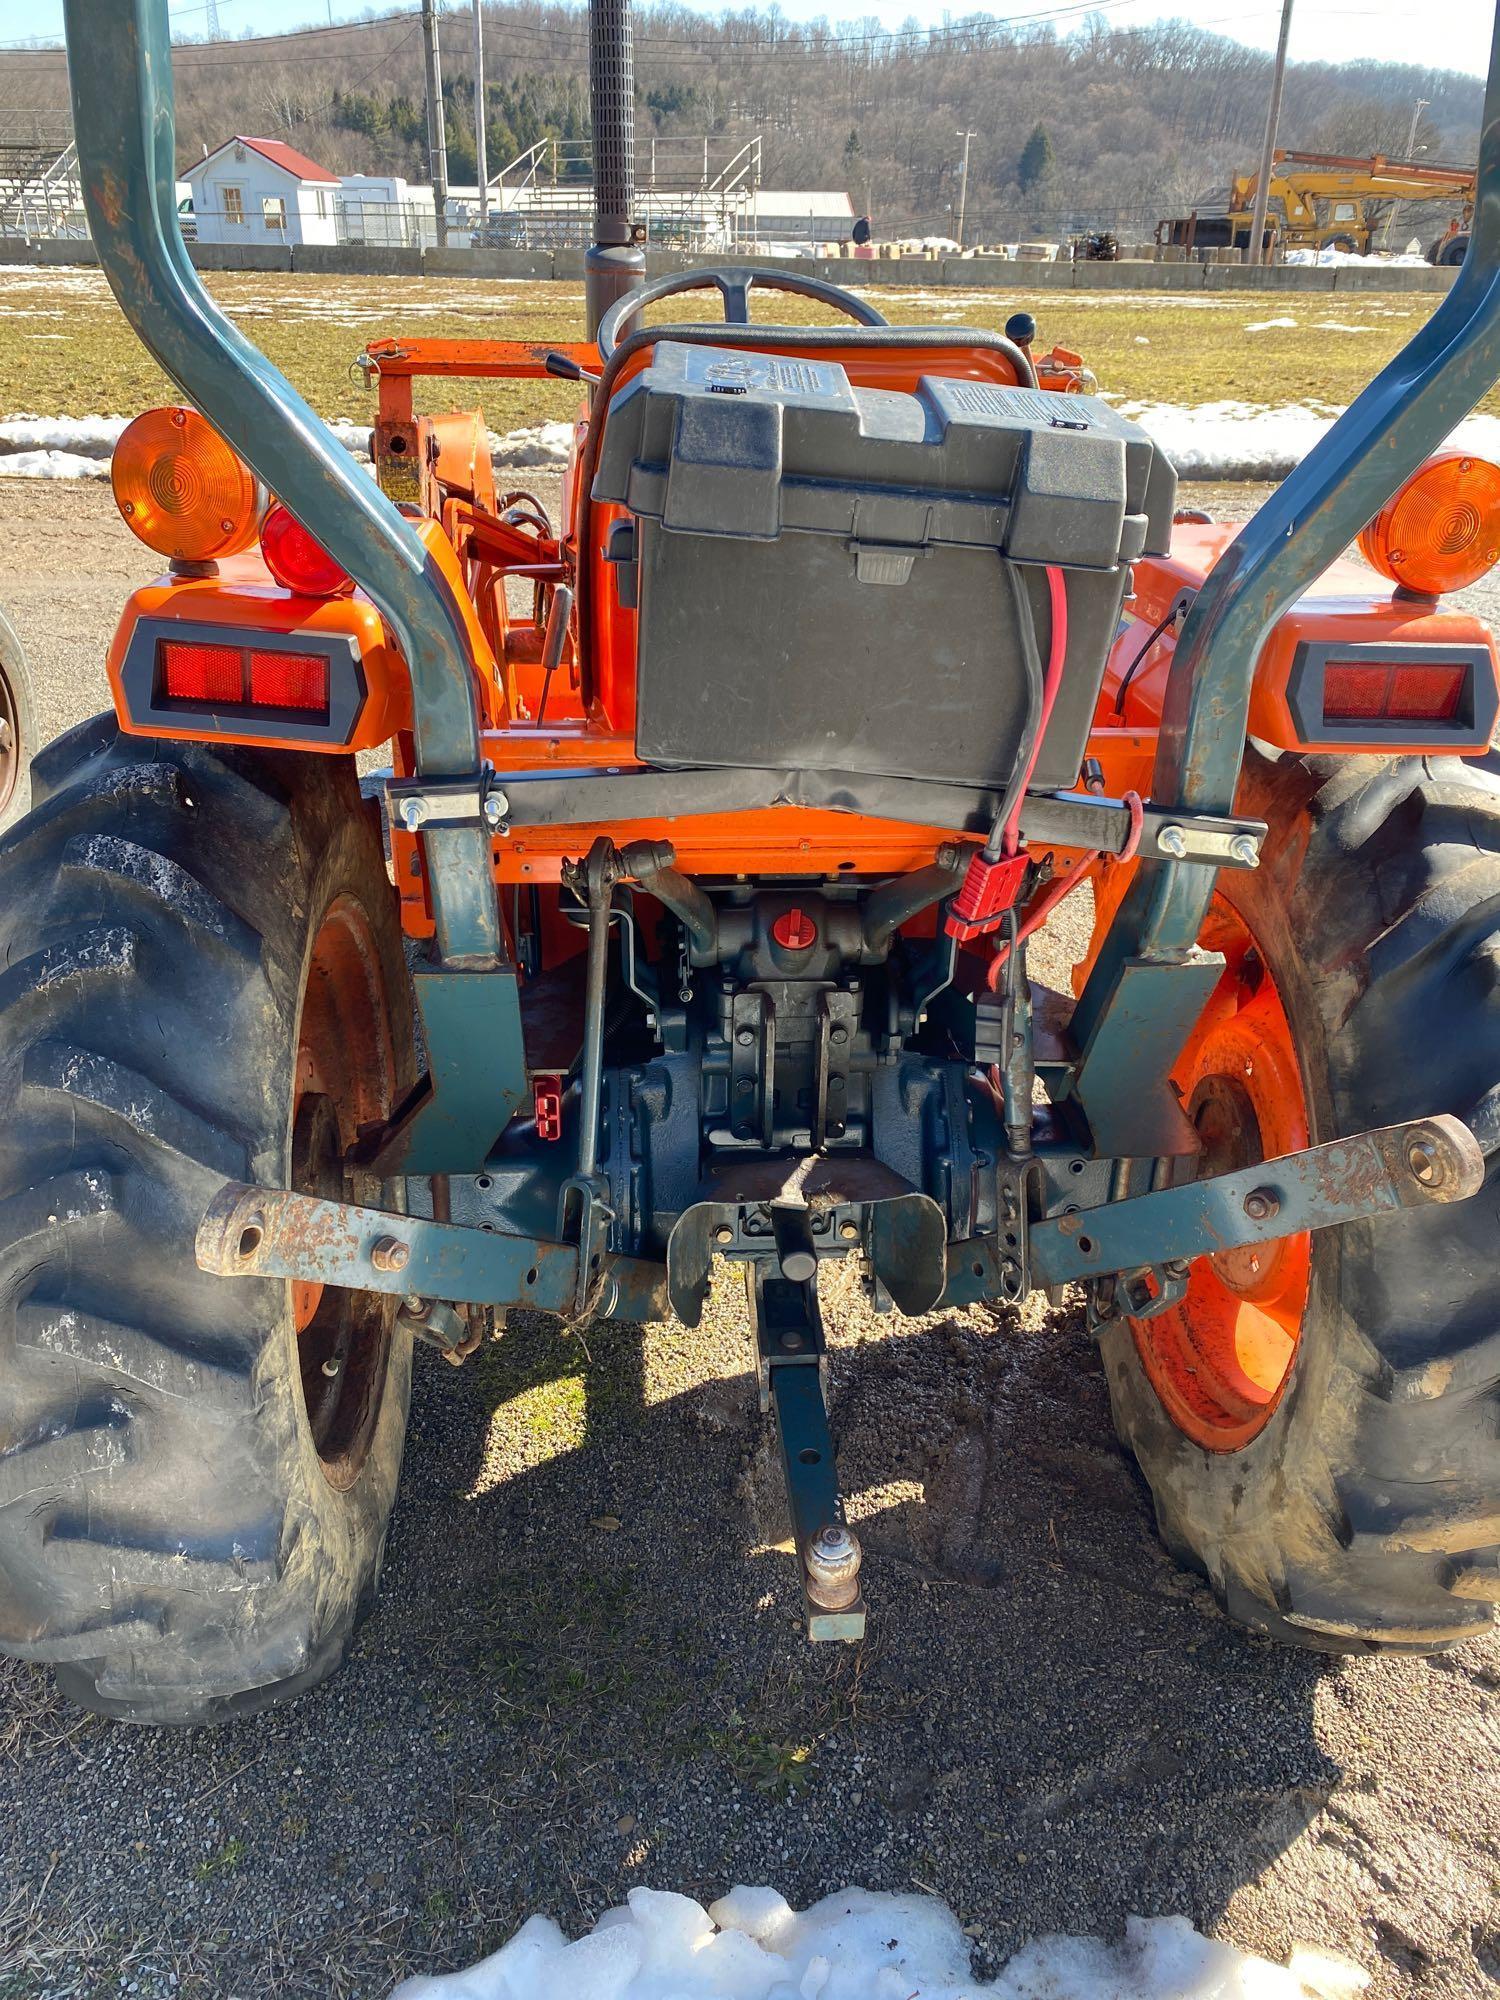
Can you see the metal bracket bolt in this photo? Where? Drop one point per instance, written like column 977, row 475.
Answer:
column 455, row 802
column 1209, row 844
column 1425, row 1163
column 1262, row 1203
column 390, row 1254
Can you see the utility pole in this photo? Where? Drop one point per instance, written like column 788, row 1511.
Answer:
column 1410, row 154
column 481, row 150
column 963, row 184
column 1269, row 149
column 437, row 132
column 1273, row 119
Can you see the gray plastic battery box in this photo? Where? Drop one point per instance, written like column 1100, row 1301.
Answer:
column 819, row 570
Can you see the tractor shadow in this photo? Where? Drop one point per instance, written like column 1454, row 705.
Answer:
column 1049, row 1725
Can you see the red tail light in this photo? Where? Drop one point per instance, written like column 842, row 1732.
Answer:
column 1364, row 691
column 242, row 677
column 297, row 560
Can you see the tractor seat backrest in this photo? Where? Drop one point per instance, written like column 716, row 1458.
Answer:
column 816, row 566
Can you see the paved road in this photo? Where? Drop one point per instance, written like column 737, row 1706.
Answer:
column 1050, row 1726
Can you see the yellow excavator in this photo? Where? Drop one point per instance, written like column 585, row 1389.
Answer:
column 1322, row 201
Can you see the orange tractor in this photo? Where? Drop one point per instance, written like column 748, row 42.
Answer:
column 720, row 813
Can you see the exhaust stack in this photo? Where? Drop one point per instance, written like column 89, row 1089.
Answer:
column 615, row 265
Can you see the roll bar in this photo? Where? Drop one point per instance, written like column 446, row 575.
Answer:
column 120, row 71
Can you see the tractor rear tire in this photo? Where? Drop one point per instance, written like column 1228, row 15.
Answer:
column 17, row 726
column 201, row 980
column 1364, row 1514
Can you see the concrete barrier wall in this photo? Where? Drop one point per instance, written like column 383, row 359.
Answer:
column 907, row 273
column 48, row 251
column 455, row 263
column 366, row 260
column 240, row 257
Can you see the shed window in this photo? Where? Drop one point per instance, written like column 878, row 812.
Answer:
column 234, row 204
column 322, row 204
column 274, row 208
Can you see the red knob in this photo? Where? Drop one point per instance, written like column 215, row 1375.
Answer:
column 795, row 930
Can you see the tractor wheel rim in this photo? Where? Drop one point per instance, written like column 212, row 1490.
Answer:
column 1220, row 1359
column 345, row 1079
column 10, row 741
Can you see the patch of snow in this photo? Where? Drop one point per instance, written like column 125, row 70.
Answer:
column 859, row 1945
column 1265, row 325
column 52, row 465
column 536, row 444
column 1339, row 326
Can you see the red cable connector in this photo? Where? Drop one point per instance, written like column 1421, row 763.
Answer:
column 989, row 889
column 546, row 1097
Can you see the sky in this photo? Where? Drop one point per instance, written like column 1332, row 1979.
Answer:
column 1322, row 30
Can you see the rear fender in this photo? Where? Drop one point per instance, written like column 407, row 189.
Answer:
column 1349, row 615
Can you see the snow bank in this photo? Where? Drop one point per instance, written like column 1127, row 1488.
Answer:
column 857, row 1945
column 1232, row 440
column 1266, row 325
column 1227, row 440
column 1406, row 260
column 33, row 447
column 80, row 437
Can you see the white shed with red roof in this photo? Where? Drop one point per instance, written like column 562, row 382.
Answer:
column 262, row 191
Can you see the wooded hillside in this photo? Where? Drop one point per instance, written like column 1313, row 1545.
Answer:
column 1086, row 125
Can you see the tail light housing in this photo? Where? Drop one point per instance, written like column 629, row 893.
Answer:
column 1376, row 695
column 262, row 685
column 181, row 489
column 1441, row 532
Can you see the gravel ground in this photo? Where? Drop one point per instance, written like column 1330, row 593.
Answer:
column 586, row 1674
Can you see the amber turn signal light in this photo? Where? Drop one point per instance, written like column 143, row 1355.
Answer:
column 182, row 490
column 1441, row 532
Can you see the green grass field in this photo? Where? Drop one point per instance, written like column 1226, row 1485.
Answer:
column 65, row 349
